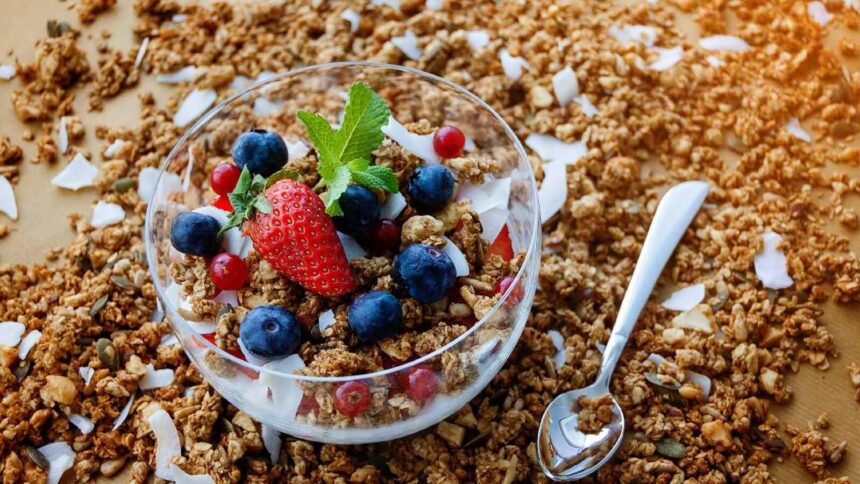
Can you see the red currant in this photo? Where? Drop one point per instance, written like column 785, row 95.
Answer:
column 224, row 178
column 502, row 246
column 223, row 203
column 352, row 398
column 384, row 235
column 228, row 271
column 420, row 382
column 502, row 286
column 448, row 142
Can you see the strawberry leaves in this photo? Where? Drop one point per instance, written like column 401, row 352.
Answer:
column 344, row 154
column 249, row 196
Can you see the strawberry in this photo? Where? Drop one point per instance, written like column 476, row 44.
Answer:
column 502, row 246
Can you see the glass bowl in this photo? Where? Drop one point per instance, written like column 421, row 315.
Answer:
column 299, row 405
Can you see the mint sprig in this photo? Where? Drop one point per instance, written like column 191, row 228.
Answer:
column 344, row 154
column 249, row 196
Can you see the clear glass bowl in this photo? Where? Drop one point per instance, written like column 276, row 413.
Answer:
column 280, row 398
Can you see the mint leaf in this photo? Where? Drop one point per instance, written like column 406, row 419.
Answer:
column 361, row 130
column 336, row 186
column 322, row 136
column 372, row 176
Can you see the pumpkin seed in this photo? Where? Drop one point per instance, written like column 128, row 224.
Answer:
column 477, row 441
column 56, row 29
column 120, row 281
column 316, row 334
column 499, row 397
column 224, row 425
column 38, row 458
column 124, row 184
column 671, row 448
column 22, row 371
column 107, row 353
column 225, row 309
column 654, row 379
column 99, row 304
column 735, row 144
column 843, row 129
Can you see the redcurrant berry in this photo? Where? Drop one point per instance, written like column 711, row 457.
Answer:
column 448, row 142
column 228, row 271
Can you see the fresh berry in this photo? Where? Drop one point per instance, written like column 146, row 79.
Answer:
column 448, row 142
column 385, row 235
column 224, row 177
column 360, row 211
column 430, row 188
column 504, row 284
column 228, row 271
column 299, row 239
column 223, row 203
column 420, row 382
column 270, row 332
column 502, row 246
column 263, row 152
column 425, row 271
column 352, row 398
column 195, row 234
column 375, row 315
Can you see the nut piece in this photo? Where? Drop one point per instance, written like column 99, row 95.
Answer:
column 717, row 433
column 451, row 433
column 424, row 229
column 60, row 390
column 110, row 468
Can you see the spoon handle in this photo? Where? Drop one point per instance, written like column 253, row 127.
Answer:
column 674, row 214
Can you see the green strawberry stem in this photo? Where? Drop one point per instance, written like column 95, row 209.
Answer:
column 249, row 196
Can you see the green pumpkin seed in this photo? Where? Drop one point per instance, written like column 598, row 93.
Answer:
column 99, row 304
column 477, row 441
column 124, row 184
column 22, row 371
column 107, row 353
column 56, row 29
column 38, row 458
column 120, row 281
column 671, row 448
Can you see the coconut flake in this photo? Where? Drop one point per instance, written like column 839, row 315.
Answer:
column 513, row 66
column 240, row 83
column 63, row 136
column 727, row 43
column 86, row 374
column 194, row 105
column 457, row 257
column 78, row 174
column 234, row 240
column 28, row 343
column 156, row 378
column 325, row 319
column 588, row 109
column 477, row 39
column 178, row 18
column 553, row 190
column 352, row 17
column 7, row 71
column 715, row 61
column 113, row 149
column 565, row 86
column 285, row 391
column 83, row 424
column 263, row 107
column 351, row 247
column 106, row 214
column 492, row 222
column 695, row 320
column 186, row 74
column 667, row 58
column 167, row 443
column 123, row 414
column 551, row 149
column 296, row 149
column 146, row 183
column 7, row 199
column 421, row 145
column 491, row 194
column 61, row 458
column 629, row 34
column 793, row 127
column 408, row 44
column 141, row 52
column 434, row 4
column 393, row 206
column 272, row 441
column 770, row 264
column 685, row 299
column 560, row 356
column 250, row 357
column 10, row 333
column 227, row 297
column 818, row 12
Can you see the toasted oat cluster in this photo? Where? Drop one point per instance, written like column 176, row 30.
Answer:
column 768, row 116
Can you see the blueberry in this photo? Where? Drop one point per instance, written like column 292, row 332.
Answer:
column 425, row 271
column 270, row 332
column 263, row 152
column 430, row 188
column 360, row 210
column 195, row 234
column 375, row 315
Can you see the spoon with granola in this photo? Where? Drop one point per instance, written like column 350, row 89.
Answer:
column 582, row 429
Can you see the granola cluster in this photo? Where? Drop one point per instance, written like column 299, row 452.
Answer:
column 715, row 115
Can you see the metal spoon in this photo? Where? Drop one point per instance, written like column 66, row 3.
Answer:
column 566, row 453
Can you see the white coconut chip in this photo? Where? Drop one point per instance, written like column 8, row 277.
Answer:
column 685, row 299
column 513, row 66
column 86, row 374
column 7, row 71
column 325, row 319
column 393, row 206
column 715, row 61
column 551, row 149
column 560, row 356
column 10, row 333
column 469, row 145
column 272, row 441
column 146, row 183
column 702, row 381
column 251, row 357
column 63, row 136
column 168, row 340
column 434, row 4
column 106, row 214
column 234, row 240
column 227, row 297
column 285, row 391
column 588, row 109
column 156, row 378
column 352, row 17
column 667, row 58
column 123, row 414
column 457, row 257
column 167, row 444
column 61, row 458
column 492, row 222
column 264, row 107
column 565, row 85
column 408, row 44
column 78, row 174
column 296, row 149
column 28, row 342
column 818, row 12
column 421, row 145
column 770, row 264
column 629, row 34
column 186, row 74
column 7, row 199
column 726, row 43
column 113, row 149
column 141, row 52
column 83, row 424
column 351, row 247
column 193, row 106
column 694, row 320
column 493, row 193
column 394, row 4
column 178, row 18
column 477, row 39
column 553, row 190
column 793, row 127
column 240, row 83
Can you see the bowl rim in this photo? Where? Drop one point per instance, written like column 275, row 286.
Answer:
column 533, row 246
